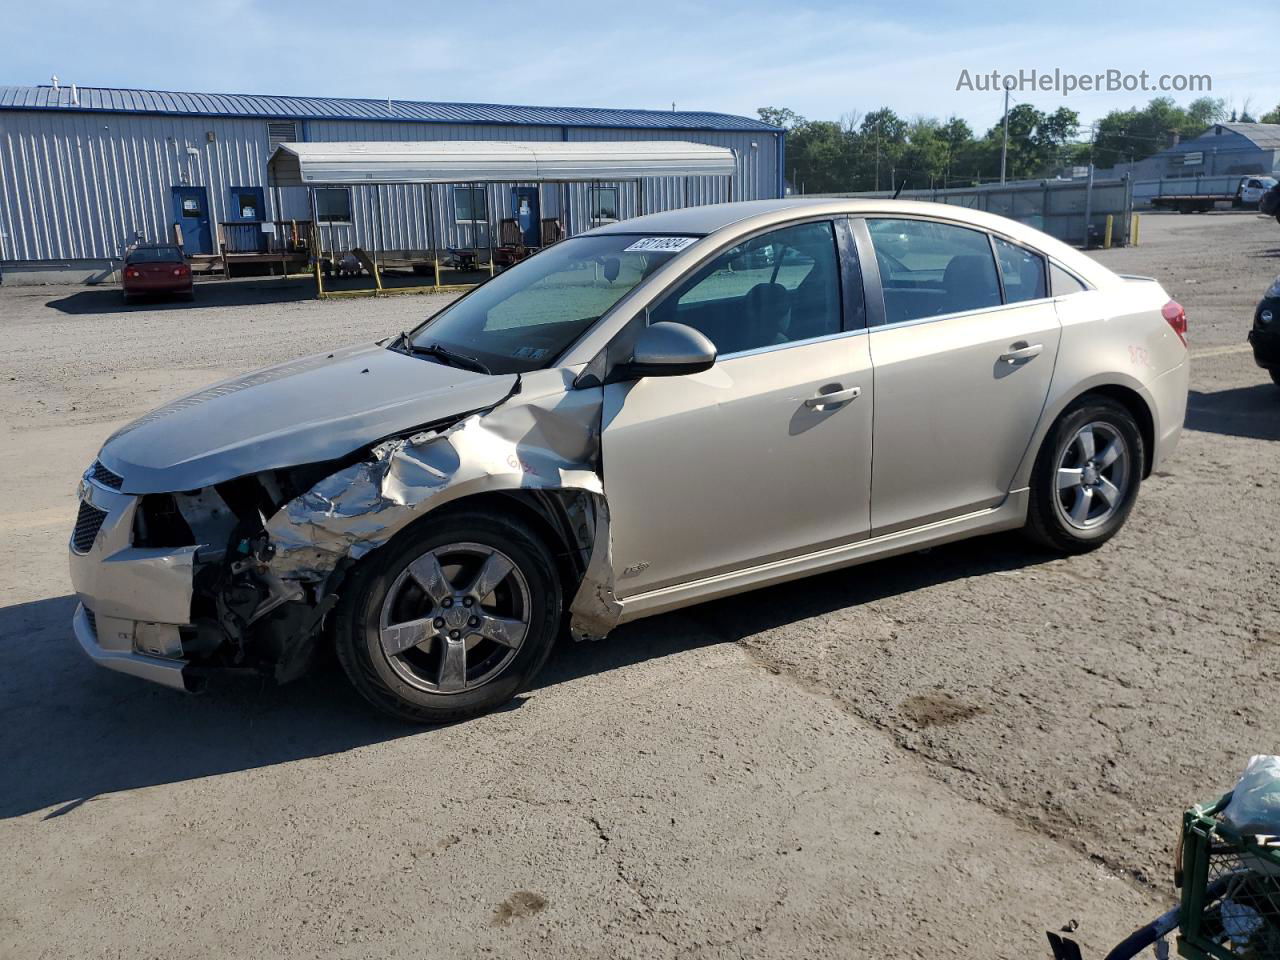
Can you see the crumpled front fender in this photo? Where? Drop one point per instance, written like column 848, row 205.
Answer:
column 545, row 437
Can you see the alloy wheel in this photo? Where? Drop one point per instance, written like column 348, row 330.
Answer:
column 454, row 618
column 1093, row 476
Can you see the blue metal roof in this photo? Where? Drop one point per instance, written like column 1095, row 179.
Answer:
column 110, row 100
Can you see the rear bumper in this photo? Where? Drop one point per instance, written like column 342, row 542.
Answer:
column 1169, row 392
column 168, row 673
column 175, row 285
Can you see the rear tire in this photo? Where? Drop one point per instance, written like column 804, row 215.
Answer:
column 1086, row 476
column 424, row 637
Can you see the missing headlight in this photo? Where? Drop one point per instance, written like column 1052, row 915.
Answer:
column 158, row 523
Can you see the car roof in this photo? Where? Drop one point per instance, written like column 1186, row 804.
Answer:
column 751, row 215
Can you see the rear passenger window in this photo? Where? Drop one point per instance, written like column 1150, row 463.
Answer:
column 1063, row 282
column 928, row 269
column 1022, row 272
column 776, row 288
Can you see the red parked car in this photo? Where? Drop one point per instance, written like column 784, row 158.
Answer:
column 156, row 268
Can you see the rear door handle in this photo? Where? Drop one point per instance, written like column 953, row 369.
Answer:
column 831, row 399
column 1021, row 352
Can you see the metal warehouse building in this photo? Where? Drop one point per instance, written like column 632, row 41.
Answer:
column 85, row 171
column 1223, row 149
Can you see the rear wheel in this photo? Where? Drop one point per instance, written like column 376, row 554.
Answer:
column 1086, row 476
column 452, row 618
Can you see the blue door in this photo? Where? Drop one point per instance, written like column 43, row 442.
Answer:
column 524, row 204
column 191, row 213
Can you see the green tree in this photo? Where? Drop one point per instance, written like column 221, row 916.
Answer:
column 1125, row 136
column 1037, row 140
column 780, row 117
column 1272, row 117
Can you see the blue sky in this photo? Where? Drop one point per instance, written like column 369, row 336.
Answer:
column 822, row 59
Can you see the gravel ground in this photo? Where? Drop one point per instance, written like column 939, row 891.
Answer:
column 942, row 754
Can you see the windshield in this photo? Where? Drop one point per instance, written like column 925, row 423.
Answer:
column 155, row 255
column 524, row 318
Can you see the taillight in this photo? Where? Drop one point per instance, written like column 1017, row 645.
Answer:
column 132, row 273
column 179, row 271
column 1177, row 318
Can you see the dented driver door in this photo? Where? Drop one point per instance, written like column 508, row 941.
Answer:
column 767, row 454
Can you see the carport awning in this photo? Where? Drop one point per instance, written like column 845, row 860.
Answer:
column 492, row 161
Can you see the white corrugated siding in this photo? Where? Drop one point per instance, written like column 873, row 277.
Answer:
column 76, row 186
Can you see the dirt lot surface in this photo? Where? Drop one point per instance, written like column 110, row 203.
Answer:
column 940, row 755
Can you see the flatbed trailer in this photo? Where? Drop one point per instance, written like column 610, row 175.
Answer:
column 1192, row 194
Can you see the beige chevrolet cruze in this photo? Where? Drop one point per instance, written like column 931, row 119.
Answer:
column 661, row 411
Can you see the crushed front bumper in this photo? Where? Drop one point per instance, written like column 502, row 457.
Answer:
column 134, row 602
column 169, row 673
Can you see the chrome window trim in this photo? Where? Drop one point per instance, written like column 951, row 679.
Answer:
column 963, row 313
column 773, row 347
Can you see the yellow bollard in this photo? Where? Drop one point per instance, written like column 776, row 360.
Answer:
column 1133, row 230
column 1106, row 239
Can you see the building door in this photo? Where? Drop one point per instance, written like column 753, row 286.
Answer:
column 524, row 204
column 191, row 213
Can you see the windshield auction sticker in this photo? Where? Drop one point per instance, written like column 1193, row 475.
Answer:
column 660, row 245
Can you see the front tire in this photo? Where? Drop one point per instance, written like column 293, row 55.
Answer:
column 1086, row 476
column 452, row 618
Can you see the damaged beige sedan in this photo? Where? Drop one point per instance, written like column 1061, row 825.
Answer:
column 659, row 412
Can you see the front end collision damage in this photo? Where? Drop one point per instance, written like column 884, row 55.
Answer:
column 291, row 535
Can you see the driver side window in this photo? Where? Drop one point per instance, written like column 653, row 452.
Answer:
column 777, row 288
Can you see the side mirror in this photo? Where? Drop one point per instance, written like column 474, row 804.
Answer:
column 667, row 350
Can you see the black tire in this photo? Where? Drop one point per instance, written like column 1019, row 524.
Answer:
column 356, row 623
column 1275, row 376
column 1047, row 522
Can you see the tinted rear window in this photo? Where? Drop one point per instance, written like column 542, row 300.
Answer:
column 155, row 255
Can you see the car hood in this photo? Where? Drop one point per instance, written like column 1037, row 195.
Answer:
column 304, row 411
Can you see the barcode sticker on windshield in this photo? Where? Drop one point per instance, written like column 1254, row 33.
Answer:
column 660, row 245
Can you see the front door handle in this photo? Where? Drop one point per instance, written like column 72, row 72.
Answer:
column 831, row 399
column 1021, row 352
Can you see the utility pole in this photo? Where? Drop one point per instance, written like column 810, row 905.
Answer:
column 1004, row 149
column 878, row 154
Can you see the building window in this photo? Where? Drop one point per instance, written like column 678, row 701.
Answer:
column 281, row 131
column 604, row 203
column 333, row 205
column 246, row 204
column 469, row 204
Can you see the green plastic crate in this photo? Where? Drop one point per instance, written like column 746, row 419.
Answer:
column 1230, row 890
